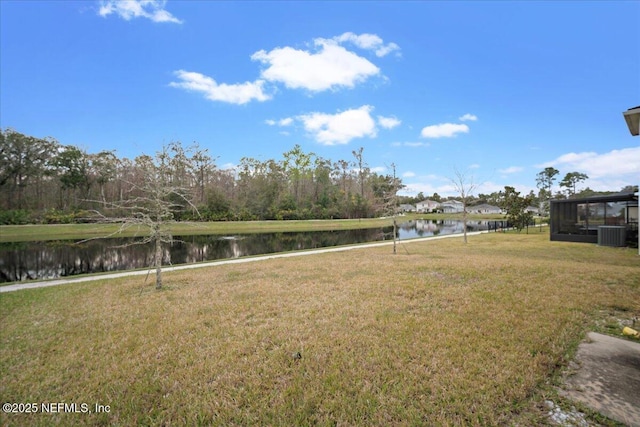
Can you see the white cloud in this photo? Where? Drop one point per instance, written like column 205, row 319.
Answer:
column 488, row 187
column 340, row 128
column 378, row 169
column 474, row 166
column 368, row 42
column 427, row 188
column 326, row 66
column 510, row 170
column 408, row 174
column 607, row 172
column 444, row 130
column 386, row 49
column 128, row 9
column 282, row 122
column 410, row 144
column 239, row 93
column 330, row 67
column 388, row 122
column 468, row 117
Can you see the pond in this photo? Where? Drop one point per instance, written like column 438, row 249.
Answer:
column 63, row 258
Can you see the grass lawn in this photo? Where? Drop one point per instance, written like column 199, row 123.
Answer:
column 440, row 334
column 22, row 233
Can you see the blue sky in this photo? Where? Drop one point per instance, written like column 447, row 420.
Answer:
column 497, row 90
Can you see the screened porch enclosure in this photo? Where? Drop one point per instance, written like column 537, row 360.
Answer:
column 581, row 220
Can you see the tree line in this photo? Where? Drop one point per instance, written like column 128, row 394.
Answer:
column 42, row 180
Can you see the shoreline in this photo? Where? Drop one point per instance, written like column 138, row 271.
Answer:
column 106, row 276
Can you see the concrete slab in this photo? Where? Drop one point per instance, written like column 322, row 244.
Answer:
column 606, row 378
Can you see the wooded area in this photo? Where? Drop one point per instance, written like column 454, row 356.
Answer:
column 44, row 181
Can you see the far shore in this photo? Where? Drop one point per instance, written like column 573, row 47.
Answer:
column 42, row 232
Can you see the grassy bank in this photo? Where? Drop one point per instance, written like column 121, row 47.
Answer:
column 23, row 233
column 439, row 334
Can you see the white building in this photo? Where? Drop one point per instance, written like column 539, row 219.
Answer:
column 485, row 209
column 533, row 210
column 427, row 206
column 452, row 206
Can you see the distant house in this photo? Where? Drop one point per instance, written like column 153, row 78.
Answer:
column 451, row 206
column 427, row 206
column 532, row 209
column 485, row 209
column 407, row 208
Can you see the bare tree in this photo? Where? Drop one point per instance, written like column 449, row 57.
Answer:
column 203, row 167
column 103, row 168
column 465, row 187
column 156, row 195
column 393, row 202
column 363, row 169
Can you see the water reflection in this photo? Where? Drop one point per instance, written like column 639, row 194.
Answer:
column 53, row 259
column 426, row 228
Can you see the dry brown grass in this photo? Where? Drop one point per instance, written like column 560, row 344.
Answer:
column 446, row 334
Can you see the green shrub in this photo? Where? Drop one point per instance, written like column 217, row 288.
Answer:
column 55, row 216
column 15, row 217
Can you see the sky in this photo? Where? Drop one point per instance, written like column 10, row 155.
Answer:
column 495, row 90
